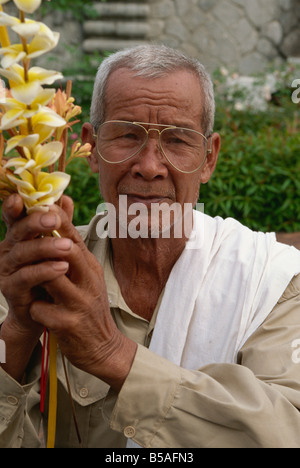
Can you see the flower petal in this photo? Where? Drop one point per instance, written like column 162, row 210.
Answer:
column 48, row 154
column 44, row 97
column 44, row 76
column 47, row 116
column 26, row 92
column 41, row 44
column 43, row 131
column 8, row 20
column 12, row 55
column 11, row 119
column 29, row 6
column 15, row 74
column 27, row 29
column 21, row 140
column 23, row 184
column 58, row 181
column 20, row 164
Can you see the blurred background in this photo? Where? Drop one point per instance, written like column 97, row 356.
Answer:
column 252, row 50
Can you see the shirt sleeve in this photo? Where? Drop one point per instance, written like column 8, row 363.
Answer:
column 254, row 403
column 19, row 413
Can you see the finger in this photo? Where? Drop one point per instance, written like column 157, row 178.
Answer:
column 32, row 226
column 50, row 316
column 67, row 229
column 12, row 209
column 34, row 251
column 20, row 283
column 67, row 290
column 85, row 270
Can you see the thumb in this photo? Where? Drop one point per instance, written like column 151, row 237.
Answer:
column 68, row 206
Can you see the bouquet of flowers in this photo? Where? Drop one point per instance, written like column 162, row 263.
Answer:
column 34, row 119
column 34, row 124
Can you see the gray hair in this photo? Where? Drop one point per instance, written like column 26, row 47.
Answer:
column 152, row 61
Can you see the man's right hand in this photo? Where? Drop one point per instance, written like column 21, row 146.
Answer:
column 22, row 276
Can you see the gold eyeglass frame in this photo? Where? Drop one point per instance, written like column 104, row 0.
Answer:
column 166, row 127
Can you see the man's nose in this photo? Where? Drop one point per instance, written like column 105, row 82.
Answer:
column 150, row 162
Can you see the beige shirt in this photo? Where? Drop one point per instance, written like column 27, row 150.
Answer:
column 254, row 403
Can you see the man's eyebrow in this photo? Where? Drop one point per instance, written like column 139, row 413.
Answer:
column 180, row 123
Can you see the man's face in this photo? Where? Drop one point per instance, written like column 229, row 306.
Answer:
column 148, row 178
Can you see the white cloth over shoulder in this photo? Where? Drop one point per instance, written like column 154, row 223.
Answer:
column 223, row 286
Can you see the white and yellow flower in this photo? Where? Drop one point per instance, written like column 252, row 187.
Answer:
column 44, row 41
column 37, row 157
column 41, row 190
column 35, row 117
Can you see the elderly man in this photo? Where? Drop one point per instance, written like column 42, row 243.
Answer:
column 171, row 340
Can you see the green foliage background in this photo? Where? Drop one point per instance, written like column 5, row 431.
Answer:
column 257, row 179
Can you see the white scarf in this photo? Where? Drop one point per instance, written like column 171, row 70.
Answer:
column 226, row 282
column 224, row 285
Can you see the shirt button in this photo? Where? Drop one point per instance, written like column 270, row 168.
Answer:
column 83, row 392
column 129, row 432
column 12, row 400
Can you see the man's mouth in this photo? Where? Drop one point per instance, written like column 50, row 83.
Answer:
column 146, row 199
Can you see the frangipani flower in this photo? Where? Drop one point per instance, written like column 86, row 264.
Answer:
column 15, row 75
column 39, row 157
column 6, row 187
column 42, row 42
column 18, row 113
column 42, row 190
column 37, row 119
column 28, row 141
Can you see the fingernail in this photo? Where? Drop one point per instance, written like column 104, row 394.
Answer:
column 48, row 220
column 63, row 244
column 60, row 266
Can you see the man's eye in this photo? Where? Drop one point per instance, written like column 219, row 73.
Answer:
column 130, row 136
column 176, row 141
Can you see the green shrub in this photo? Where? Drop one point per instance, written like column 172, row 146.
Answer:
column 257, row 179
column 84, row 191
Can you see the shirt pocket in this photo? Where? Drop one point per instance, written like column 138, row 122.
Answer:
column 86, row 389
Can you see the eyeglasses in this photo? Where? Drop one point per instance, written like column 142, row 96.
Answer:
column 185, row 149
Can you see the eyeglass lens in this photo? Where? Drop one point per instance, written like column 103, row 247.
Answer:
column 119, row 141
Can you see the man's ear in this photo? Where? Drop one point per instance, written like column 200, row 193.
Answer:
column 87, row 136
column 214, row 144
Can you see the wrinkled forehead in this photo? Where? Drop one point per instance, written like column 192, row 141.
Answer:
column 178, row 93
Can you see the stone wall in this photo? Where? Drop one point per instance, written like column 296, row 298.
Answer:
column 242, row 35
